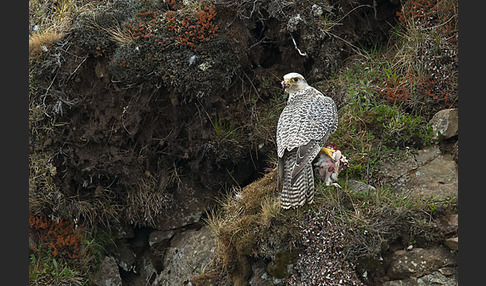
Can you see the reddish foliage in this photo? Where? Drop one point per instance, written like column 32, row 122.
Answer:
column 428, row 14
column 183, row 29
column 187, row 31
column 400, row 91
column 59, row 236
column 173, row 4
column 394, row 94
column 141, row 31
column 432, row 90
column 437, row 21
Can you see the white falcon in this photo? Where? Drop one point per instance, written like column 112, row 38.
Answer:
column 303, row 128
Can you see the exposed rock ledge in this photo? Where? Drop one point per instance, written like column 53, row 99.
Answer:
column 424, row 173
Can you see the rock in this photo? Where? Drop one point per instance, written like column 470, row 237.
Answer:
column 125, row 257
column 425, row 172
column 445, row 124
column 396, row 169
column 449, row 271
column 158, row 242
column 452, row 243
column 426, row 155
column 146, row 269
column 435, row 278
column 397, row 283
column 160, row 236
column 190, row 252
column 360, row 187
column 438, row 178
column 420, row 261
column 108, row 275
column 189, row 206
column 186, row 215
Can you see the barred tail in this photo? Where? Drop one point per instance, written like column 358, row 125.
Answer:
column 301, row 191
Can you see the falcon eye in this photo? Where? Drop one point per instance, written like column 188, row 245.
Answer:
column 295, row 79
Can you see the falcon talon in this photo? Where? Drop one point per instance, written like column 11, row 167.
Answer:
column 336, row 185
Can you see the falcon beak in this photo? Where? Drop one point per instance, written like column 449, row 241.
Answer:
column 286, row 84
column 328, row 152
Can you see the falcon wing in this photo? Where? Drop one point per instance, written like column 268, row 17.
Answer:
column 310, row 116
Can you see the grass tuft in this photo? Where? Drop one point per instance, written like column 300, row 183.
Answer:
column 39, row 43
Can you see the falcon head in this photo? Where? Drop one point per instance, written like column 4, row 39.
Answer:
column 293, row 82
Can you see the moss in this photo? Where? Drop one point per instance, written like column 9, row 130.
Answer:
column 278, row 267
column 144, row 46
column 94, row 30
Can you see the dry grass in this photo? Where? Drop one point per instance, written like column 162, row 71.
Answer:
column 50, row 21
column 146, row 202
column 426, row 54
column 242, row 223
column 40, row 42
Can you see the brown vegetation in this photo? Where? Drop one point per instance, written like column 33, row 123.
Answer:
column 60, row 237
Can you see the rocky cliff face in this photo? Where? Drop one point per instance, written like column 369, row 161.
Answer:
column 428, row 256
column 148, row 119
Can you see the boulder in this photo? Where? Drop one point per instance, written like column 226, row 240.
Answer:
column 424, row 173
column 189, row 205
column 420, row 261
column 125, row 257
column 452, row 243
column 108, row 275
column 160, row 236
column 445, row 124
column 360, row 187
column 437, row 178
column 146, row 269
column 188, row 255
column 442, row 277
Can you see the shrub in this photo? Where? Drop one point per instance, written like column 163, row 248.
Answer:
column 60, row 236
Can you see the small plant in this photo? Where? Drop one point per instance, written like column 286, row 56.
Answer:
column 62, row 253
column 397, row 128
column 59, row 236
column 176, row 26
column 427, row 54
column 55, row 251
column 222, row 127
column 189, row 31
column 148, row 200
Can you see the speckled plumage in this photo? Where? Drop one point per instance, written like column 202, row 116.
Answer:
column 303, row 128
